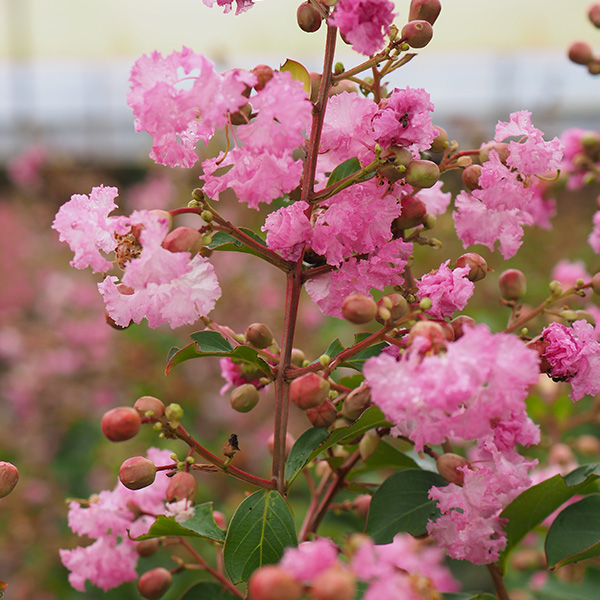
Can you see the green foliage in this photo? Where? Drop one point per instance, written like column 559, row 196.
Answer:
column 207, row 590
column 301, row 450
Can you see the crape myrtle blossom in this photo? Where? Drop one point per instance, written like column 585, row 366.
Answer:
column 240, row 5
column 507, row 197
column 309, row 559
column 582, row 156
column 476, row 388
column 157, row 284
column 111, row 560
column 594, row 237
column 574, row 356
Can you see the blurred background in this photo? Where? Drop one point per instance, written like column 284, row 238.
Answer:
column 65, row 127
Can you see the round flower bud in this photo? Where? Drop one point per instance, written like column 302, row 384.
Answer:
column 149, row 406
column 298, row 357
column 220, row 519
column 315, row 83
column 513, row 284
column 153, row 584
column 500, row 148
column 470, row 177
column 440, row 141
column 174, row 412
column 368, row 444
column 9, row 475
column 323, row 415
column 183, row 239
column 588, row 445
column 580, row 53
column 183, row 486
column 396, row 304
column 356, row 402
column 137, row 472
column 433, row 332
column 271, row 582
column 361, row 505
column 334, row 583
column 120, row 424
column 459, row 323
column 594, row 15
column 147, row 547
column 427, row 10
column 476, row 263
column 309, row 17
column 447, row 466
column 422, row 173
column 259, row 335
column 413, row 213
column 359, row 309
column 309, row 391
column 244, row 398
column 290, row 440
column 263, row 74
column 596, row 283
column 417, row 34
column 239, row 117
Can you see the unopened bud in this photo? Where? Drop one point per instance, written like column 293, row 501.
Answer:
column 477, row 265
column 413, row 213
column 174, row 414
column 356, row 402
column 470, row 177
column 147, row 547
column 361, row 505
column 440, row 141
column 422, row 173
column 263, row 74
column 562, row 455
column 587, row 444
column 183, row 486
column 417, row 34
column 501, row 149
column 220, row 519
column 242, row 115
column 359, row 309
column 244, row 398
column 368, row 444
column 149, row 406
column 596, row 283
column 259, row 335
column 334, row 583
column 513, row 284
column 272, row 582
column 298, row 357
column 183, row 239
column 154, row 584
column 427, row 10
column 309, row 390
column 396, row 304
column 425, row 303
column 9, row 476
column 323, row 415
column 120, row 424
column 447, row 466
column 460, row 323
column 432, row 331
column 137, row 472
column 309, row 17
column 580, row 53
column 594, row 15
column 464, row 161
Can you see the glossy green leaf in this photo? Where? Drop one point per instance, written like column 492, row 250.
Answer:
column 298, row 73
column 358, row 360
column 208, row 590
column 575, row 533
column 225, row 242
column 211, row 342
column 531, row 507
column 347, row 168
column 202, row 524
column 386, row 456
column 260, row 530
column 402, row 504
column 301, row 450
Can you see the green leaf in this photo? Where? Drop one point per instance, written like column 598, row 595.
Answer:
column 358, row 360
column 202, row 524
column 575, row 533
column 402, row 504
column 532, row 506
column 347, row 168
column 386, row 456
column 555, row 589
column 208, row 590
column 211, row 342
column 227, row 243
column 301, row 450
column 298, row 73
column 260, row 530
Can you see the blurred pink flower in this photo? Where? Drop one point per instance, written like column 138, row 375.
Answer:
column 309, row 559
column 24, row 169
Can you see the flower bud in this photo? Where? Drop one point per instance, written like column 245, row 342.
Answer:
column 174, row 414
column 334, row 583
column 290, row 440
column 594, row 15
column 339, row 87
column 368, row 444
column 220, row 519
column 309, row 17
column 298, row 357
column 422, row 173
column 580, row 53
column 470, row 177
column 9, row 475
column 427, row 10
column 244, row 398
column 501, row 149
column 432, row 331
column 149, row 406
column 476, row 263
column 323, row 415
column 447, row 466
column 513, row 284
column 356, row 402
column 147, row 547
column 183, row 239
column 259, row 335
column 315, row 83
column 396, row 304
column 309, row 390
column 361, row 505
column 596, row 283
column 359, row 309
column 440, row 141
column 588, row 445
column 120, row 424
column 263, row 74
column 464, row 161
column 271, row 582
column 137, row 472
column 153, row 584
column 413, row 213
column 459, row 323
column 417, row 34
column 240, row 117
column 183, row 486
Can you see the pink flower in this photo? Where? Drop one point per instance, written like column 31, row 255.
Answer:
column 435, row 200
column 594, row 237
column 241, row 5
column 567, row 273
column 25, row 168
column 289, row 230
column 449, row 290
column 233, row 375
column 581, row 160
column 309, row 559
column 363, row 23
column 574, row 355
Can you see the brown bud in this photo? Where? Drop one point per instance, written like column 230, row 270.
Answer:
column 335, row 583
column 259, row 335
column 476, row 263
column 359, row 309
column 580, row 53
column 396, row 304
column 594, row 15
column 513, row 284
column 231, row 446
column 413, row 213
column 263, row 74
column 149, row 406
column 470, row 177
column 120, row 424
column 501, row 149
column 356, row 402
column 153, row 584
column 241, row 117
column 422, row 173
column 361, row 505
column 323, row 415
column 447, row 466
column 147, row 547
column 440, row 141
column 9, row 476
column 244, row 398
column 309, row 17
column 459, row 323
column 183, row 239
column 417, row 34
column 183, row 486
column 309, row 391
column 271, row 582
column 427, row 10
column 137, row 472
